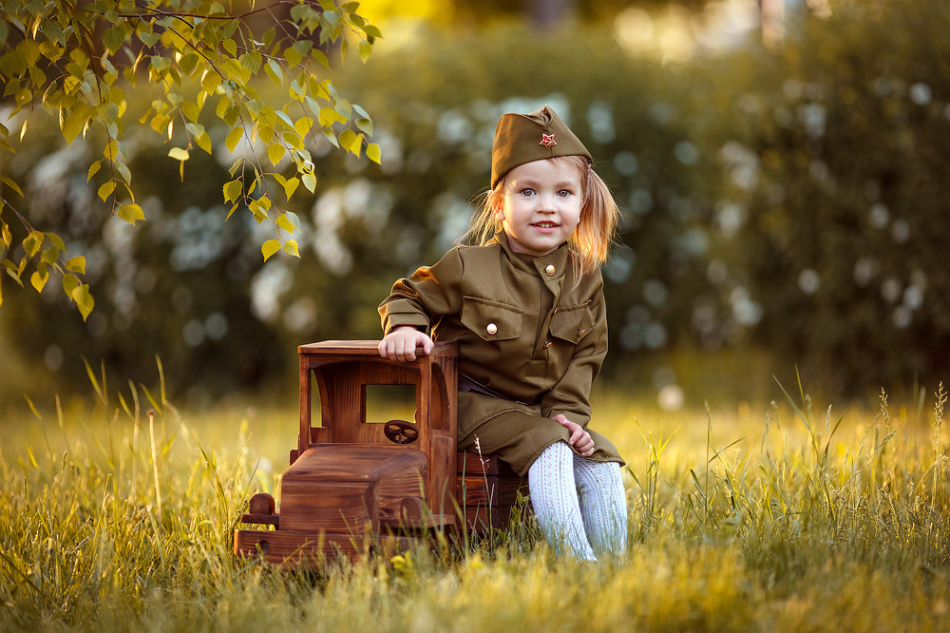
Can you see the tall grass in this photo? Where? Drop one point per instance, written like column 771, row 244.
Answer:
column 119, row 515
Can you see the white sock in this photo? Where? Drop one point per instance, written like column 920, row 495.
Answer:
column 554, row 499
column 603, row 503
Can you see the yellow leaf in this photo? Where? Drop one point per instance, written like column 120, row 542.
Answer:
column 70, row 283
column 12, row 185
column 178, row 153
column 269, row 248
column 233, row 190
column 291, row 186
column 76, row 265
column 291, row 248
column 373, row 153
column 303, row 125
column 275, row 152
column 131, row 213
column 310, row 182
column 233, row 138
column 93, row 170
column 106, row 190
column 83, row 300
column 38, row 279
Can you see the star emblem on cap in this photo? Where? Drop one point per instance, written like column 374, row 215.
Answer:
column 547, row 140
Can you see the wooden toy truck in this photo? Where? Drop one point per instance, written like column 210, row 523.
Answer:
column 356, row 486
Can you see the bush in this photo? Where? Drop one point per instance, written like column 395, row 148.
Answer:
column 837, row 163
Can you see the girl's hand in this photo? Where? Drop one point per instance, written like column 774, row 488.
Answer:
column 580, row 439
column 401, row 344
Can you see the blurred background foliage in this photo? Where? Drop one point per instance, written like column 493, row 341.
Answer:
column 784, row 206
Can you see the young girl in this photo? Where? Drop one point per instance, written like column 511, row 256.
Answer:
column 526, row 308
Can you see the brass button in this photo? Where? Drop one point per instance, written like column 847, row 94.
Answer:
column 492, row 328
column 549, row 269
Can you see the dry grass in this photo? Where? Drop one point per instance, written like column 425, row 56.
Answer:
column 784, row 517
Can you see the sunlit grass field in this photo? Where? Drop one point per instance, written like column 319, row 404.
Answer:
column 789, row 516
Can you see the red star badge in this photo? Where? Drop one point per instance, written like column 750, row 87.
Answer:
column 547, row 140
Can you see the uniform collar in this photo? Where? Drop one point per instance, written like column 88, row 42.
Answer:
column 550, row 267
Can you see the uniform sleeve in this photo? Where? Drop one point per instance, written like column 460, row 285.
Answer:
column 429, row 294
column 571, row 394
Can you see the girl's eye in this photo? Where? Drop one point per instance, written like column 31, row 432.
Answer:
column 564, row 192
column 527, row 192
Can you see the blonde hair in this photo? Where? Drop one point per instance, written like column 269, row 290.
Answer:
column 589, row 244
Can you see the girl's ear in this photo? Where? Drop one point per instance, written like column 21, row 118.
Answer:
column 496, row 206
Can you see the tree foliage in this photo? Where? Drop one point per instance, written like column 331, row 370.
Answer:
column 79, row 63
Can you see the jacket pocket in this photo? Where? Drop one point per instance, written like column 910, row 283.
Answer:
column 490, row 320
column 572, row 323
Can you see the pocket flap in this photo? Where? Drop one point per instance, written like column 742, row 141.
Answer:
column 572, row 323
column 490, row 320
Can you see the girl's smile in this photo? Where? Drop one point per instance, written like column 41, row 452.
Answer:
column 540, row 205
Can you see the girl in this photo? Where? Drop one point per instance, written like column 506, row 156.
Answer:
column 526, row 307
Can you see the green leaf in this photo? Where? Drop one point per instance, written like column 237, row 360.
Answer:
column 310, row 182
column 76, row 265
column 269, row 248
column 130, row 213
column 114, row 38
column 365, row 49
column 372, row 31
column 149, row 39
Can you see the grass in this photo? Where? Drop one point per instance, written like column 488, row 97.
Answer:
column 787, row 517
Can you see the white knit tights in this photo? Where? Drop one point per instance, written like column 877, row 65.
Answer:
column 580, row 504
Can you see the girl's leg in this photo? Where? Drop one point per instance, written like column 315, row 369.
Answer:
column 554, row 499
column 603, row 504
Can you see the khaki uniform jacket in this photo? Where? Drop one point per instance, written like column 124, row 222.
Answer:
column 524, row 329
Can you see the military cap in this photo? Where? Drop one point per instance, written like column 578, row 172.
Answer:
column 523, row 138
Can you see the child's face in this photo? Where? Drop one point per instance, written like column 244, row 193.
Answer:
column 540, row 205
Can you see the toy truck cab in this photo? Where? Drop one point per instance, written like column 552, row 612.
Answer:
column 353, row 484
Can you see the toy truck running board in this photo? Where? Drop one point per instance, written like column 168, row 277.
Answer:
column 355, row 486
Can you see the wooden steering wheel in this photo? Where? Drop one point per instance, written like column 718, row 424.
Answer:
column 401, row 432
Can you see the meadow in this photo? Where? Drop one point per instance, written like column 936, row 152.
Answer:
column 118, row 511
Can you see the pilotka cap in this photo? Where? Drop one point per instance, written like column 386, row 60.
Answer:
column 523, row 138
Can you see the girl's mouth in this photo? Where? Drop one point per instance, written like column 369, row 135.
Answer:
column 545, row 225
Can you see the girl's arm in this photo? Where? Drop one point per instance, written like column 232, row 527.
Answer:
column 418, row 302
column 570, row 396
